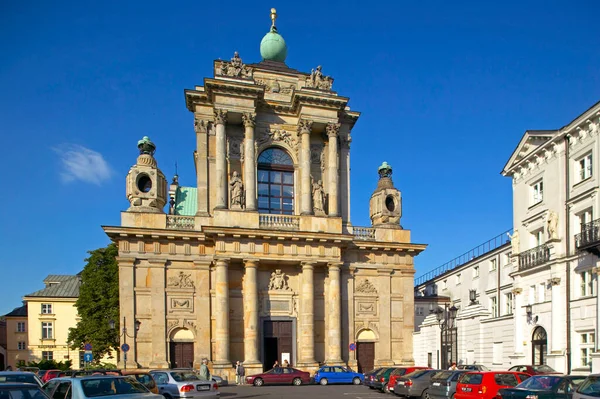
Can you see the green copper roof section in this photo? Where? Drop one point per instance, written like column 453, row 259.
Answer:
column 186, row 201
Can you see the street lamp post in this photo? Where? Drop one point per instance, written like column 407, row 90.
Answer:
column 446, row 317
column 124, row 334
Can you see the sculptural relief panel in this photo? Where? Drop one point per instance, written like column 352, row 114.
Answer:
column 181, row 304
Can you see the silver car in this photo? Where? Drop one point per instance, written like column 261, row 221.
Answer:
column 175, row 384
column 443, row 384
column 97, row 386
column 414, row 384
column 589, row 388
column 20, row 376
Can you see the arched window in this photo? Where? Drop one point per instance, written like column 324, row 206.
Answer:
column 275, row 182
column 539, row 344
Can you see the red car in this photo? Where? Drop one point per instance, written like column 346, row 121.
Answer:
column 280, row 375
column 534, row 370
column 399, row 372
column 485, row 384
column 50, row 374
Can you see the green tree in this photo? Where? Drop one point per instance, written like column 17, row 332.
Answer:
column 98, row 303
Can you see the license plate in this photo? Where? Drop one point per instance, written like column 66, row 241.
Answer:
column 401, row 383
column 203, row 387
column 436, row 384
column 467, row 389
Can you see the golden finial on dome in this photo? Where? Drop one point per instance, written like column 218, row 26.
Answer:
column 273, row 17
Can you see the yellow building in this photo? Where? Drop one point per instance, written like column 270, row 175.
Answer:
column 16, row 337
column 51, row 312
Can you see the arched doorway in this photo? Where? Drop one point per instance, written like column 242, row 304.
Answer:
column 365, row 350
column 539, row 346
column 181, row 348
column 275, row 182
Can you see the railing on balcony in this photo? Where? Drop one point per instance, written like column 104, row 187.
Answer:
column 363, row 233
column 534, row 257
column 279, row 222
column 180, row 222
column 589, row 236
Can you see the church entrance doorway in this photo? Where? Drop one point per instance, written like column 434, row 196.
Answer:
column 277, row 342
column 181, row 348
column 365, row 350
column 539, row 346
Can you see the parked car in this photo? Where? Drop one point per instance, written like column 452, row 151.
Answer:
column 443, row 384
column 381, row 379
column 472, row 367
column 589, row 388
column 534, row 370
column 98, row 386
column 144, row 378
column 337, row 375
column 370, row 376
column 485, row 384
column 21, row 390
column 82, row 373
column 184, row 384
column 279, row 375
column 50, row 374
column 544, row 387
column 399, row 372
column 216, row 378
column 20, row 376
column 415, row 384
column 29, row 368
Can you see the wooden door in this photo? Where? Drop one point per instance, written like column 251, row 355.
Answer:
column 365, row 356
column 277, row 339
column 182, row 354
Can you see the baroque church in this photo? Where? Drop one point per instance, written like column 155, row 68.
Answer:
column 260, row 262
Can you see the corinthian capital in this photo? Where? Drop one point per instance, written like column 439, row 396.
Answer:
column 333, row 129
column 304, row 126
column 248, row 119
column 220, row 116
column 200, row 125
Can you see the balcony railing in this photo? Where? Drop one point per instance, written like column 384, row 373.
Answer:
column 534, row 257
column 363, row 233
column 180, row 222
column 279, row 222
column 589, row 236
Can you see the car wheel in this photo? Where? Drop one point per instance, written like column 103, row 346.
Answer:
column 258, row 382
column 356, row 381
column 425, row 395
column 297, row 381
column 323, row 381
column 167, row 396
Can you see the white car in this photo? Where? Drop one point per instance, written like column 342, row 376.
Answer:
column 97, row 386
column 589, row 388
column 184, row 384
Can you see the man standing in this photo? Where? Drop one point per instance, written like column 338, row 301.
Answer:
column 204, row 372
column 239, row 373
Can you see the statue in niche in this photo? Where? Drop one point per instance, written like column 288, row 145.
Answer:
column 318, row 197
column 278, row 281
column 552, row 225
column 514, row 241
column 236, row 191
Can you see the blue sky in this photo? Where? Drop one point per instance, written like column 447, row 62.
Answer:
column 446, row 90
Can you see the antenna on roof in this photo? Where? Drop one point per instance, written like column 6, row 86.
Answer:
column 176, row 177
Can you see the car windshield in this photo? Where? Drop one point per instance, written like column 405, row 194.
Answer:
column 26, row 378
column 544, row 382
column 399, row 372
column 542, row 368
column 180, row 376
column 471, row 378
column 111, row 386
column 24, row 393
column 417, row 374
column 443, row 375
column 590, row 387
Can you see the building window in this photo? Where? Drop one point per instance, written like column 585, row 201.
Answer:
column 476, row 272
column 47, row 355
column 587, row 283
column 458, row 279
column 275, row 182
column 537, row 192
column 588, row 341
column 538, row 238
column 47, row 331
column 584, row 167
column 21, row 346
column 507, row 261
column 493, row 265
column 21, row 326
column 419, row 311
column 508, row 302
column 46, row 308
column 542, row 292
column 584, row 217
column 494, row 306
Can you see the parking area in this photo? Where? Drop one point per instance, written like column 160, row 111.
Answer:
column 302, row 392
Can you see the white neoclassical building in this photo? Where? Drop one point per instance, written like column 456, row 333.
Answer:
column 547, row 275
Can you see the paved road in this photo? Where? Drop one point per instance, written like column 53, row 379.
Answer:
column 303, row 392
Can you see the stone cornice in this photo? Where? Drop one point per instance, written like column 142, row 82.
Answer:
column 222, row 232
column 116, row 232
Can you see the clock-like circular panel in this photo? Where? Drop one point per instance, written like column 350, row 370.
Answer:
column 389, row 203
column 144, row 183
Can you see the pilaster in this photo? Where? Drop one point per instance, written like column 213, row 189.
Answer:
column 156, row 269
column 127, row 301
column 203, row 333
column 304, row 129
column 249, row 161
column 220, row 158
column 383, row 353
column 201, row 127
column 558, row 323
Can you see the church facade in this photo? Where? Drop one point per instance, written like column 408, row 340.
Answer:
column 260, row 262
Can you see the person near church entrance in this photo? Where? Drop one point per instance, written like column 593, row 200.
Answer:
column 276, row 364
column 286, row 363
column 204, row 371
column 453, row 366
column 239, row 373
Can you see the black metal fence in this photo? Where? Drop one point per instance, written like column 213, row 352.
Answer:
column 534, row 257
column 590, row 234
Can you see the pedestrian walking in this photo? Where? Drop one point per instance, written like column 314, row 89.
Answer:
column 239, row 373
column 204, row 371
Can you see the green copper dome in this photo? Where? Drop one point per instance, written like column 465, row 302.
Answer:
column 272, row 46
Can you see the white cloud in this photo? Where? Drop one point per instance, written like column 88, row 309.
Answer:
column 81, row 163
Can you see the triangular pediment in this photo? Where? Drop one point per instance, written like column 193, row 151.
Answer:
column 530, row 142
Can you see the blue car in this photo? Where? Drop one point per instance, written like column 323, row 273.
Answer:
column 337, row 375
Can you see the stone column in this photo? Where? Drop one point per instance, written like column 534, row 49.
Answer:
column 307, row 317
column 383, row 352
column 518, row 317
column 127, row 305
column 344, row 184
column 249, row 161
column 558, row 324
column 201, row 127
column 156, row 269
column 222, row 312
column 333, row 130
column 334, row 349
column 251, row 313
column 304, row 128
column 221, row 159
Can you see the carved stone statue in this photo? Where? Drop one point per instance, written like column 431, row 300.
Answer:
column 278, row 281
column 514, row 240
column 552, row 225
column 236, row 191
column 317, row 80
column 318, row 196
column 235, row 68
